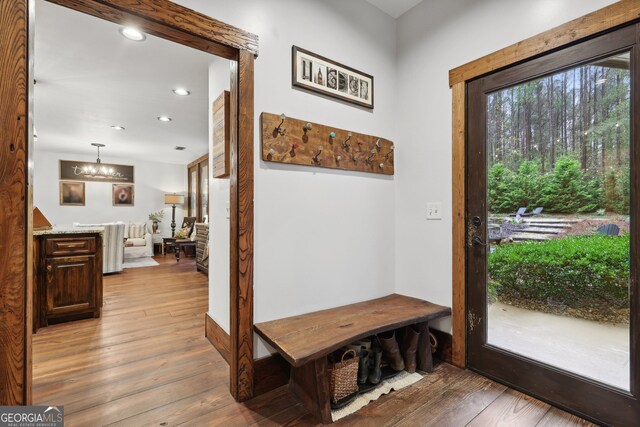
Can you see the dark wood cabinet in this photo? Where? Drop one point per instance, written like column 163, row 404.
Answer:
column 67, row 277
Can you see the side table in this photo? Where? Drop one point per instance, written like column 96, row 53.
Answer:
column 158, row 244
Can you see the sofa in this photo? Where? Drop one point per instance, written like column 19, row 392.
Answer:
column 112, row 239
column 139, row 241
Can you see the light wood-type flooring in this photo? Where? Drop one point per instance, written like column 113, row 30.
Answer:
column 147, row 362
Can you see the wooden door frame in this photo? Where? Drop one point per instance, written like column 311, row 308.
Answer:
column 169, row 21
column 608, row 18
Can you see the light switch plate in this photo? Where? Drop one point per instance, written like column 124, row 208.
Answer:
column 434, row 210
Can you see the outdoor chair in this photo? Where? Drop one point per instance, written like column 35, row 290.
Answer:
column 521, row 212
column 537, row 211
column 609, row 230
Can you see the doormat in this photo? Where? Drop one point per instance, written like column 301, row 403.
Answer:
column 400, row 381
column 140, row 262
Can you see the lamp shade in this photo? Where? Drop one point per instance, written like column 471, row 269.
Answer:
column 173, row 199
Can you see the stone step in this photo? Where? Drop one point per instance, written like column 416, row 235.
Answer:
column 542, row 230
column 551, row 220
column 548, row 225
column 531, row 236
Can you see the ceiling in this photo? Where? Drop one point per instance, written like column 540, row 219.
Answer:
column 394, row 8
column 89, row 77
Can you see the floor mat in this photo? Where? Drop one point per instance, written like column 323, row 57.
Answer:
column 140, row 262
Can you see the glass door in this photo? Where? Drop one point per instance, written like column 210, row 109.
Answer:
column 552, row 241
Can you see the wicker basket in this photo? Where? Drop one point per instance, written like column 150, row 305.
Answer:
column 344, row 376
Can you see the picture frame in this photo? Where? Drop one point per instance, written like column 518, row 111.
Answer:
column 72, row 193
column 318, row 74
column 123, row 195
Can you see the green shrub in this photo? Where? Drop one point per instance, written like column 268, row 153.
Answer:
column 587, row 274
column 569, row 191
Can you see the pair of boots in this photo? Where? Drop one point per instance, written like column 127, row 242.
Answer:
column 369, row 360
column 401, row 356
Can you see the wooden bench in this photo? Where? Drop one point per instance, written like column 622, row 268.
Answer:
column 306, row 340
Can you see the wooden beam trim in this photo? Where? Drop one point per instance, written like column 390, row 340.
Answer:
column 614, row 15
column 241, row 240
column 458, row 233
column 14, row 196
column 218, row 337
column 172, row 15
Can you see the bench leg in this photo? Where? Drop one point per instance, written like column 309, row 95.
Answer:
column 310, row 384
column 425, row 358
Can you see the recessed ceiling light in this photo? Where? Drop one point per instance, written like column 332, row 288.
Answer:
column 132, row 34
column 117, row 127
column 179, row 148
column 164, row 118
column 181, row 92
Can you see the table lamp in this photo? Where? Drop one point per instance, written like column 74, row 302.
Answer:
column 173, row 199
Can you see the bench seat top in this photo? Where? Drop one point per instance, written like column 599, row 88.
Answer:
column 301, row 339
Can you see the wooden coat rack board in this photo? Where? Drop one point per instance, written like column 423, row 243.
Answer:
column 294, row 141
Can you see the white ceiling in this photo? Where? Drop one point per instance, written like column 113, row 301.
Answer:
column 89, row 77
column 394, row 8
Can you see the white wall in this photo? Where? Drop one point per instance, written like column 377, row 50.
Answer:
column 322, row 238
column 152, row 181
column 433, row 38
column 219, row 80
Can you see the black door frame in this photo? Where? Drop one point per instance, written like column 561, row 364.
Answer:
column 584, row 397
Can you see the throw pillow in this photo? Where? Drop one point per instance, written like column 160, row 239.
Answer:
column 182, row 233
column 137, row 230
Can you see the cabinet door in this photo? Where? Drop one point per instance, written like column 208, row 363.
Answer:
column 70, row 283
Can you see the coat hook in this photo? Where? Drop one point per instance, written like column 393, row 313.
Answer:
column 307, row 127
column 389, row 153
column 279, row 130
column 294, row 147
column 332, row 135
column 338, row 159
column 346, row 144
column 315, row 158
column 368, row 159
column 378, row 143
column 271, row 152
column 381, row 165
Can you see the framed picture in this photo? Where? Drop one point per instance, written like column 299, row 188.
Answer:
column 122, row 195
column 321, row 75
column 71, row 193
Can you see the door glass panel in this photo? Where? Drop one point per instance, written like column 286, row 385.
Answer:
column 559, row 219
column 204, row 192
column 193, row 186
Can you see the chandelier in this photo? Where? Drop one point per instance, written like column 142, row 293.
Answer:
column 96, row 170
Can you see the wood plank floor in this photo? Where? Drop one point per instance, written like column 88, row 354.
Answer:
column 146, row 362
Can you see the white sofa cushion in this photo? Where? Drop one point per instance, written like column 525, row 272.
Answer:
column 136, row 241
column 137, row 230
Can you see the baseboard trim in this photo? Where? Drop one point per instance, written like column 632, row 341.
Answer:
column 444, row 348
column 269, row 373
column 218, row 337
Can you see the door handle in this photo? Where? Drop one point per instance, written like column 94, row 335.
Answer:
column 474, row 230
column 477, row 241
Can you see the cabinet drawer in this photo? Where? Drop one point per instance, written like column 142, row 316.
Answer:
column 70, row 245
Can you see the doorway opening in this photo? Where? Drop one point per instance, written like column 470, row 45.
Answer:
column 174, row 23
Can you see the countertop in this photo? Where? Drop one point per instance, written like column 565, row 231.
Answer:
column 69, row 229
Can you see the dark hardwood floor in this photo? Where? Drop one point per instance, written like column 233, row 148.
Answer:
column 147, row 362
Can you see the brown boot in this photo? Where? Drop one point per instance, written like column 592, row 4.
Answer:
column 409, row 346
column 390, row 350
